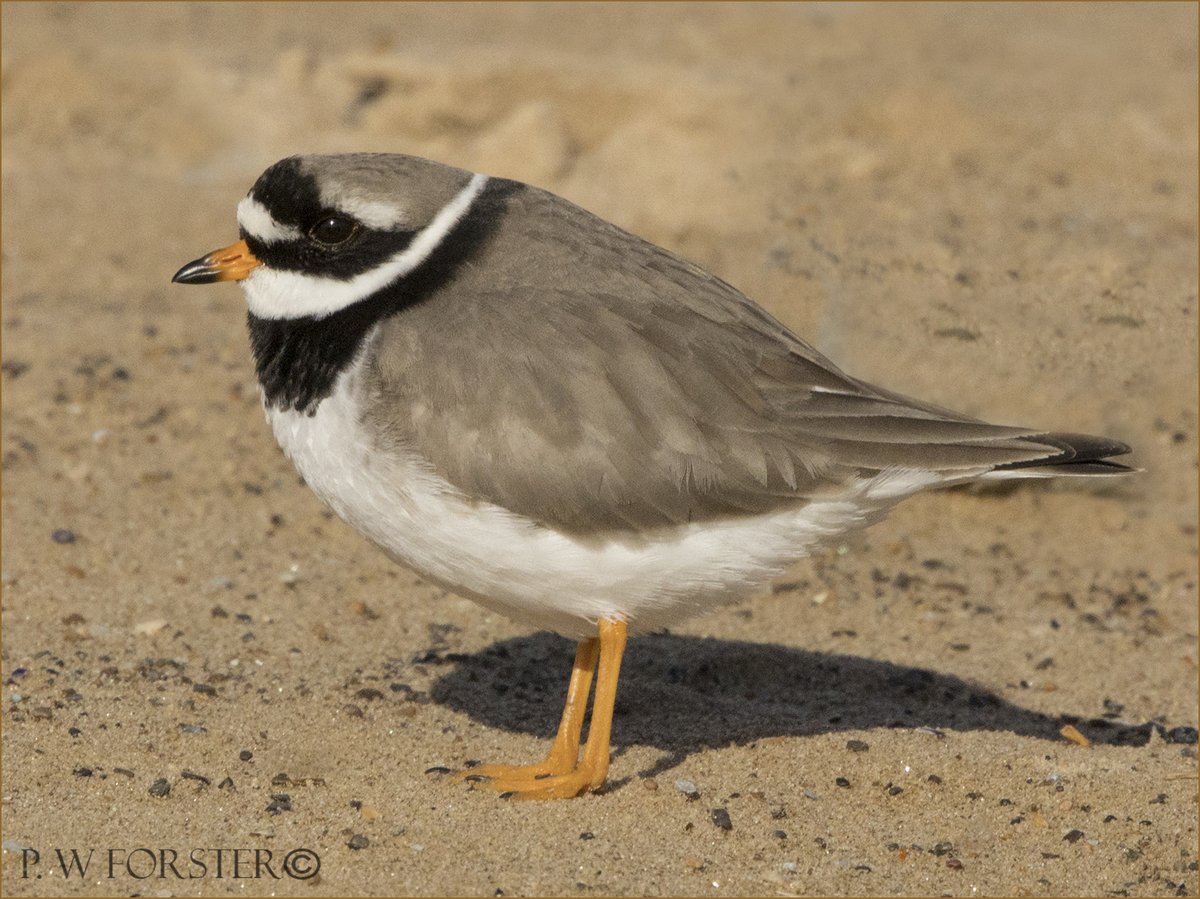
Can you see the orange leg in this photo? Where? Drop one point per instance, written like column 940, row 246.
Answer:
column 563, row 775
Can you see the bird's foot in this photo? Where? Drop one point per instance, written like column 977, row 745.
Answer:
column 544, row 780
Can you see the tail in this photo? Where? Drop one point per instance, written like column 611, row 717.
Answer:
column 1076, row 454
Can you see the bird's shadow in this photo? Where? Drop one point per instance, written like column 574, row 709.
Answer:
column 683, row 694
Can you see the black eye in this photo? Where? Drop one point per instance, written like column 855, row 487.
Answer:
column 333, row 230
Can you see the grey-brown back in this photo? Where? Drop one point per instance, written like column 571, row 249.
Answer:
column 593, row 382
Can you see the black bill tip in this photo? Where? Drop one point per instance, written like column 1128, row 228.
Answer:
column 199, row 271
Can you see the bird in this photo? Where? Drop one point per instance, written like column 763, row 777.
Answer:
column 542, row 412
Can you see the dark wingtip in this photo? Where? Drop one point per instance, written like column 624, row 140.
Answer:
column 1078, row 454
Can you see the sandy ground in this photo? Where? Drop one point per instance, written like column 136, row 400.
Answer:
column 993, row 208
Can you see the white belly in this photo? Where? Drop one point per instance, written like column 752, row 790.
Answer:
column 538, row 575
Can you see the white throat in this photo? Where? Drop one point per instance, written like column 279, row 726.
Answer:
column 276, row 294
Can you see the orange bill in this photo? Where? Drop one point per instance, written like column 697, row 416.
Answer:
column 233, row 263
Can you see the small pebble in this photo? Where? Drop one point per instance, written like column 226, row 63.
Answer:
column 280, row 802
column 954, row 863
column 82, row 772
column 587, row 835
column 280, row 780
column 810, row 794
column 358, row 841
column 160, row 788
column 842, row 782
column 206, row 689
column 857, row 746
column 1073, row 836
column 437, row 769
column 192, row 775
column 1182, row 735
column 650, row 783
column 720, row 817
column 688, row 789
column 245, row 755
column 63, row 536
column 779, row 834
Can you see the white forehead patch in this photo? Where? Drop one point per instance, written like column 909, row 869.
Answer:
column 254, row 218
column 278, row 294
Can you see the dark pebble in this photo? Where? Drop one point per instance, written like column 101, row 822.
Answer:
column 123, row 771
column 1073, row 836
column 352, row 710
column 842, row 782
column 18, row 673
column 940, row 849
column 75, row 732
column 160, row 788
column 1108, row 819
column 280, row 780
column 206, row 689
column 587, row 835
column 64, row 536
column 358, row 841
column 369, row 693
column 82, row 772
column 720, row 817
column 472, row 763
column 437, row 769
column 934, row 779
column 954, row 863
column 778, row 813
column 120, row 374
column 356, row 804
column 1181, row 735
column 280, row 802
column 192, row 775
column 1160, row 799
column 895, row 791
column 245, row 755
column 779, row 834
column 226, row 784
column 857, row 746
column 1017, row 820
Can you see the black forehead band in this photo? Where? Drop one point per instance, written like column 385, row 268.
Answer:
column 289, row 194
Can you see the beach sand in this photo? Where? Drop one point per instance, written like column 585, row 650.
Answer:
column 990, row 207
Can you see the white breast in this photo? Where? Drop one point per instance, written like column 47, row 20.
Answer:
column 533, row 573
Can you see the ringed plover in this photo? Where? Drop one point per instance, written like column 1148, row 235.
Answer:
column 538, row 410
